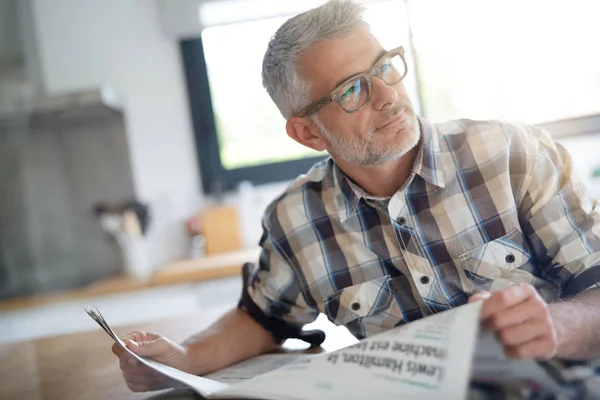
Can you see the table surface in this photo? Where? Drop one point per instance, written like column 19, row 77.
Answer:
column 81, row 366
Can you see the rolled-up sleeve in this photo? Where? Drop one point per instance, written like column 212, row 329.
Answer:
column 273, row 293
column 560, row 219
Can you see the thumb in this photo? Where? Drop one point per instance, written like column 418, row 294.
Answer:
column 480, row 296
column 150, row 348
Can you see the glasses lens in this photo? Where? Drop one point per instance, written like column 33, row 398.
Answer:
column 354, row 95
column 391, row 70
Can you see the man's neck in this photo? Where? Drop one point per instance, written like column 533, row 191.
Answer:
column 381, row 180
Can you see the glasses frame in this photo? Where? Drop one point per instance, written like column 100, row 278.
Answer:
column 368, row 75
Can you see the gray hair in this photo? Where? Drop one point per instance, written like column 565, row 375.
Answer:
column 334, row 19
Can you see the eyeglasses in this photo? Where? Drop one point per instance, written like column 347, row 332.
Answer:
column 356, row 91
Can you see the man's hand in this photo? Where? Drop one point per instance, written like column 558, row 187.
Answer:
column 140, row 378
column 236, row 336
column 521, row 320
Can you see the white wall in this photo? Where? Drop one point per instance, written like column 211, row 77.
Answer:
column 85, row 44
column 584, row 152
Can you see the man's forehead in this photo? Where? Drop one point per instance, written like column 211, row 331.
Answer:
column 330, row 62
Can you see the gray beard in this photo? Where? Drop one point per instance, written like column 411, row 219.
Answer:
column 361, row 151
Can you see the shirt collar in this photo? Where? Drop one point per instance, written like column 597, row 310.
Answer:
column 427, row 165
column 346, row 197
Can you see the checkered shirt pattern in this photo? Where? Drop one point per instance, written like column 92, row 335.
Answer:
column 487, row 205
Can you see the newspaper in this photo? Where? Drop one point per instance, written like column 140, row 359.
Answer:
column 430, row 358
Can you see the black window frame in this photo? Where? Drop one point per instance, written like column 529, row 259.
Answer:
column 215, row 178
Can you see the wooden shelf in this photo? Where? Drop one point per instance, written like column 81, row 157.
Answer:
column 192, row 270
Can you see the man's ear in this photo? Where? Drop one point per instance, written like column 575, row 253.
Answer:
column 305, row 132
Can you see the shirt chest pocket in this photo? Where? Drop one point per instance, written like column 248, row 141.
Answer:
column 496, row 258
column 359, row 301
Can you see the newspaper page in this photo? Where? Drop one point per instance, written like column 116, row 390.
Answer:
column 492, row 368
column 255, row 366
column 426, row 359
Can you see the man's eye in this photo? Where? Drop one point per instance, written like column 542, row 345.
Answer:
column 385, row 67
column 350, row 91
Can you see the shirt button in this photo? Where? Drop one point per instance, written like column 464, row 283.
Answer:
column 424, row 280
column 355, row 306
column 401, row 220
column 510, row 259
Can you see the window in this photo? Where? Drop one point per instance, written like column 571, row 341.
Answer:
column 530, row 61
column 250, row 129
column 527, row 61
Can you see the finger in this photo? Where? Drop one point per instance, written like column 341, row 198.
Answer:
column 135, row 336
column 506, row 298
column 133, row 361
column 532, row 308
column 131, row 344
column 480, row 296
column 540, row 348
column 117, row 350
column 150, row 348
column 144, row 387
column 148, row 336
column 142, row 379
column 137, row 379
column 131, row 365
column 142, row 336
column 128, row 358
column 521, row 334
column 116, row 347
column 137, row 388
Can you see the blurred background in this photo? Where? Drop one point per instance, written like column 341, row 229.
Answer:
column 132, row 179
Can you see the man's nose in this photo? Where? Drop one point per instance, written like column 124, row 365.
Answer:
column 382, row 94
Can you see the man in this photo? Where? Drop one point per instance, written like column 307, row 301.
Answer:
column 404, row 220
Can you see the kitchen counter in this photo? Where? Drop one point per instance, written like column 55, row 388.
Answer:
column 190, row 270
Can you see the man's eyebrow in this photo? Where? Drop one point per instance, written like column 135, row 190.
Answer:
column 379, row 56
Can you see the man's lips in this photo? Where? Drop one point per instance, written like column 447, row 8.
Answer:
column 396, row 118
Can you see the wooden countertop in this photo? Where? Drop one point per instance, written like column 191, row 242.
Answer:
column 192, row 270
column 81, row 366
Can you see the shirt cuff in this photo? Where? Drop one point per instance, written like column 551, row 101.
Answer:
column 586, row 280
column 279, row 329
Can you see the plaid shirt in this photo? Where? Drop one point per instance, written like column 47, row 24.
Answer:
column 487, row 205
